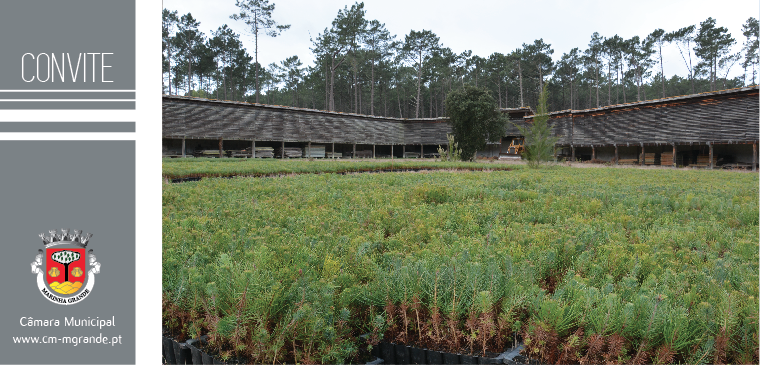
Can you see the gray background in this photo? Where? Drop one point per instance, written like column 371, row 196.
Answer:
column 68, row 126
column 73, row 26
column 85, row 185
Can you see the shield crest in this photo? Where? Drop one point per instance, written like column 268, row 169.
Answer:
column 65, row 267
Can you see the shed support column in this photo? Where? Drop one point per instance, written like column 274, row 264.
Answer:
column 616, row 155
column 354, row 154
column 641, row 162
column 333, row 151
column 572, row 153
column 403, row 151
column 754, row 156
column 593, row 153
column 373, row 151
column 282, row 156
column 221, row 149
column 391, row 152
column 309, row 155
column 711, row 155
column 675, row 162
column 253, row 148
column 421, row 150
column 183, row 147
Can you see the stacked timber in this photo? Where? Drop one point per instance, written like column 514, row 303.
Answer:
column 364, row 154
column 264, row 152
column 290, row 152
column 704, row 161
column 666, row 159
column 316, row 151
column 208, row 153
column 411, row 155
column 628, row 161
column 649, row 158
column 333, row 154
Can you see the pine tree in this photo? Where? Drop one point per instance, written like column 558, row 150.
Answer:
column 539, row 140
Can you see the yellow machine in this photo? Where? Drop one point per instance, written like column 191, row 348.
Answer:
column 517, row 146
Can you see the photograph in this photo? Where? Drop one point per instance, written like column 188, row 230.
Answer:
column 491, row 182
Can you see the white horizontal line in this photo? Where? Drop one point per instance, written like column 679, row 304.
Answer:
column 67, row 90
column 64, row 100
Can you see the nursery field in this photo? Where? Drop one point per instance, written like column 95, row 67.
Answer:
column 586, row 266
column 221, row 167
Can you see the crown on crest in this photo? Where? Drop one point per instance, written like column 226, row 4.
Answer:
column 53, row 236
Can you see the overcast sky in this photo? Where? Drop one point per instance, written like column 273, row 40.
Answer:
column 484, row 26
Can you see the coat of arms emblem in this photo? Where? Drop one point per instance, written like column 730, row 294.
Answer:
column 65, row 269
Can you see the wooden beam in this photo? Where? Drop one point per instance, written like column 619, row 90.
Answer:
column 403, row 151
column 754, row 156
column 183, row 147
column 221, row 149
column 373, row 151
column 675, row 161
column 617, row 158
column 421, row 150
column 643, row 156
column 333, row 150
column 354, row 155
column 711, row 155
column 572, row 153
column 309, row 150
column 593, row 153
column 391, row 152
column 282, row 156
column 253, row 148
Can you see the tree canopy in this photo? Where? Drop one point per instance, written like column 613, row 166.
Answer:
column 360, row 66
column 475, row 119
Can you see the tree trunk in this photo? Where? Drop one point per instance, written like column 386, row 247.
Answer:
column 596, row 65
column 662, row 72
column 356, row 90
column 691, row 69
column 609, row 83
column 519, row 74
column 419, row 85
column 332, row 85
column 256, row 53
column 169, row 52
column 372, row 90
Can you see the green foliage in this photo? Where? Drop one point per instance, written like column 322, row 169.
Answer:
column 453, row 154
column 475, row 119
column 215, row 167
column 539, row 140
column 291, row 268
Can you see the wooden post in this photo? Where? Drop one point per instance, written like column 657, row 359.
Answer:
column 221, row 149
column 183, row 147
column 754, row 156
column 616, row 155
column 253, row 148
column 333, row 150
column 421, row 151
column 403, row 151
column 641, row 162
column 309, row 150
column 373, row 151
column 572, row 153
column 593, row 153
column 354, row 154
column 391, row 152
column 675, row 162
column 282, row 156
column 711, row 155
